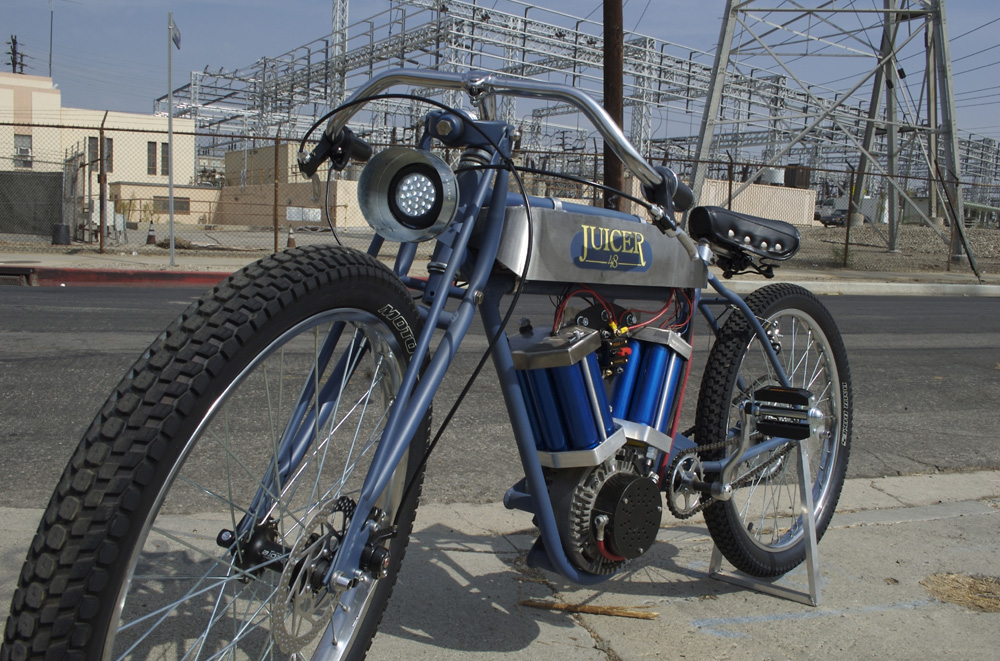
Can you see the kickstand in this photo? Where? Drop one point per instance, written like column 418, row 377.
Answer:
column 811, row 598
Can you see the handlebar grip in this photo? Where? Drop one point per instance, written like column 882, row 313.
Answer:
column 683, row 197
column 340, row 150
column 671, row 193
column 353, row 147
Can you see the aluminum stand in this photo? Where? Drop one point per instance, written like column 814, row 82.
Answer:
column 810, row 598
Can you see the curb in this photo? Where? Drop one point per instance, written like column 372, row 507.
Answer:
column 867, row 288
column 55, row 277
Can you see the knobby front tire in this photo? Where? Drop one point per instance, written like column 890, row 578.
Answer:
column 128, row 562
column 760, row 530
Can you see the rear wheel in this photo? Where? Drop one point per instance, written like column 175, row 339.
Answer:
column 203, row 508
column 760, row 530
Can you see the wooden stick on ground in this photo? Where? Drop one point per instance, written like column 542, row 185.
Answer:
column 616, row 611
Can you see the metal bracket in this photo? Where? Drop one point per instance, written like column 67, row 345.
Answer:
column 810, row 598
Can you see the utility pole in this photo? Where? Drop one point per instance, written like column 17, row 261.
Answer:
column 614, row 37
column 16, row 58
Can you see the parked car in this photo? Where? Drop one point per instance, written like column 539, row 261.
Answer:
column 835, row 219
column 838, row 218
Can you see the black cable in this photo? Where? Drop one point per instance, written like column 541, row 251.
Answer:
column 517, row 293
column 378, row 97
column 587, row 182
column 569, row 177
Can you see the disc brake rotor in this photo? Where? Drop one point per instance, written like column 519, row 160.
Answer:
column 303, row 606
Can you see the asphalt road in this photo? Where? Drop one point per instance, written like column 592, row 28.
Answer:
column 926, row 375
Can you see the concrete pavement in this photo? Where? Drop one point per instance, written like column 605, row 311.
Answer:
column 461, row 589
column 463, row 586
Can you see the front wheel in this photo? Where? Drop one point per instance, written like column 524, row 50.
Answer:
column 760, row 529
column 203, row 508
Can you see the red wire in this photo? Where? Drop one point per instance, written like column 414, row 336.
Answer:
column 580, row 290
column 608, row 554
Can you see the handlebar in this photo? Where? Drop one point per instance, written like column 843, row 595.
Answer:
column 661, row 184
column 479, row 85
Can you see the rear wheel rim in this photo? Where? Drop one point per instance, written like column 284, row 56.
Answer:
column 768, row 507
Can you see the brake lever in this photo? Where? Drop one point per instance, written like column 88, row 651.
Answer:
column 309, row 162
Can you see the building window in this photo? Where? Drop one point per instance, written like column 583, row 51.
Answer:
column 151, row 158
column 182, row 205
column 22, row 151
column 94, row 155
column 164, row 159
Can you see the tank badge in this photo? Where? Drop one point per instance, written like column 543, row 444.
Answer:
column 610, row 249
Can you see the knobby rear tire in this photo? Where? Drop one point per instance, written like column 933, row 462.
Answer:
column 182, row 447
column 759, row 530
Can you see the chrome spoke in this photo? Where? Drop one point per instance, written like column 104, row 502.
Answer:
column 227, row 604
column 768, row 505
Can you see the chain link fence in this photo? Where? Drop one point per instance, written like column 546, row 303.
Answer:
column 108, row 189
column 79, row 187
column 870, row 233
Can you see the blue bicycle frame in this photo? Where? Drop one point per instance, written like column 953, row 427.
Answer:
column 470, row 246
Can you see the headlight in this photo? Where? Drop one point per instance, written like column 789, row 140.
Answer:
column 407, row 194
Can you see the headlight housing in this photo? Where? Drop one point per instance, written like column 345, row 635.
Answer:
column 407, row 194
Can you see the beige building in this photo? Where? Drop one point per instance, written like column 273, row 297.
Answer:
column 39, row 135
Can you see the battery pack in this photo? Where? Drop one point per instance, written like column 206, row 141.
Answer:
column 559, row 376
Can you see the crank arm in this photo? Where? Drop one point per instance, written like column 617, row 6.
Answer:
column 785, row 414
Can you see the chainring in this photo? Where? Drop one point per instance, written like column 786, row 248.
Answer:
column 769, row 466
column 682, row 499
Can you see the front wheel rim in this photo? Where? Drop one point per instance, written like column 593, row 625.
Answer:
column 250, row 605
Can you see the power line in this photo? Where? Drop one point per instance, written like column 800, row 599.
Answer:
column 976, row 105
column 974, row 29
column 961, row 103
column 991, row 64
column 965, row 57
column 984, row 89
column 641, row 16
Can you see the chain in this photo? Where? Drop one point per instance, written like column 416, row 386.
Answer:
column 737, row 484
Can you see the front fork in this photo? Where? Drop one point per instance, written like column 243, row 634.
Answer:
column 415, row 396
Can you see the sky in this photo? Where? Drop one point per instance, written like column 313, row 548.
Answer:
column 112, row 54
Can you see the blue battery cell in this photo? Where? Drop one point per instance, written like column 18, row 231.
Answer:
column 646, row 390
column 563, row 389
column 543, row 410
column 646, row 395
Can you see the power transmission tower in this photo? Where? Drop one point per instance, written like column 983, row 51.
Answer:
column 338, row 51
column 894, row 142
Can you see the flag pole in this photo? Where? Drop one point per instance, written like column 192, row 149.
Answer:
column 170, row 125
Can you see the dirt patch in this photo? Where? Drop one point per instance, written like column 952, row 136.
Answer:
column 976, row 592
